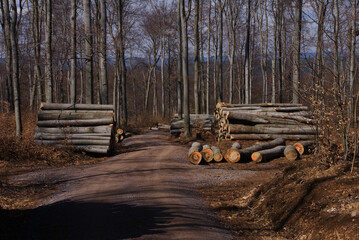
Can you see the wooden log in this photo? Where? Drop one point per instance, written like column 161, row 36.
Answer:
column 268, row 154
column 207, row 153
column 198, row 116
column 194, row 153
column 74, row 115
column 277, row 129
column 245, row 154
column 62, row 136
column 120, row 131
column 232, row 155
column 254, row 119
column 221, row 104
column 291, row 109
column 291, row 153
column 87, row 148
column 217, row 155
column 65, row 123
column 96, row 129
column 235, row 137
column 245, row 117
column 304, row 147
column 58, row 106
column 73, row 142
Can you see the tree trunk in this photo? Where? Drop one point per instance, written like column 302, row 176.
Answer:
column 291, row 153
column 196, row 57
column 73, row 78
column 232, row 155
column 103, row 54
column 59, row 106
column 179, row 62
column 184, row 22
column 247, row 64
column 220, row 60
column 194, row 154
column 48, row 65
column 73, row 114
column 103, row 130
column 296, row 53
column 123, row 72
column 88, row 51
column 208, row 58
column 81, row 122
column 245, row 154
column 207, row 153
column 235, row 137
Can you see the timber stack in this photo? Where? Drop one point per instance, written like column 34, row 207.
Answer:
column 84, row 127
column 264, row 121
column 199, row 122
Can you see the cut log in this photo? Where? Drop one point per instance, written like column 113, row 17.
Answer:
column 207, row 153
column 245, row 154
column 268, row 154
column 217, row 155
column 291, row 153
column 73, row 115
column 58, row 106
column 194, row 155
column 304, row 147
column 73, row 142
column 264, row 129
column 87, row 148
column 232, row 155
column 65, row 123
column 197, row 145
column 221, row 104
column 198, row 116
column 62, row 136
column 270, row 136
column 120, row 131
column 291, row 109
column 72, row 130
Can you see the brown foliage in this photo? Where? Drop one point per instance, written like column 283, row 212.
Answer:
column 24, row 151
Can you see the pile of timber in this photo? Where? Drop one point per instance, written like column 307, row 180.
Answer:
column 264, row 121
column 85, row 127
column 199, row 122
column 261, row 152
column 121, row 135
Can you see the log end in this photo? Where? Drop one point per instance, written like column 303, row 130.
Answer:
column 291, row 153
column 207, row 154
column 299, row 147
column 195, row 158
column 218, row 157
column 257, row 157
column 232, row 156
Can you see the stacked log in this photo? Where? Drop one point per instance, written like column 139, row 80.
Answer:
column 121, row 135
column 194, row 153
column 85, row 127
column 264, row 121
column 200, row 122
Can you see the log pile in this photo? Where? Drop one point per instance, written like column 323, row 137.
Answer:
column 85, row 127
column 264, row 121
column 260, row 152
column 199, row 122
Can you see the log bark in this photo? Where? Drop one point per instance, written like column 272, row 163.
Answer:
column 263, row 129
column 221, row 104
column 268, row 154
column 207, row 153
column 291, row 153
column 65, row 123
column 87, row 148
column 269, row 137
column 74, row 130
column 291, row 109
column 73, row 114
column 58, row 106
column 255, row 119
column 217, row 155
column 232, row 155
column 62, row 136
column 245, row 154
column 194, row 153
column 304, row 147
column 73, row 142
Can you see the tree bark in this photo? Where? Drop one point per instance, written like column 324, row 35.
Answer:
column 235, row 137
column 88, row 51
column 73, row 114
column 296, row 46
column 73, row 78
column 246, row 58
column 268, row 154
column 220, row 48
column 208, row 58
column 48, row 65
column 124, row 115
column 196, row 57
column 103, row 54
column 179, row 62
column 76, row 130
column 81, row 122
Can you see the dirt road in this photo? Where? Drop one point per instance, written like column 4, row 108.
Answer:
column 144, row 194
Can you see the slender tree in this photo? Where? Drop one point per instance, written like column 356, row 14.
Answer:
column 103, row 54
column 49, row 52
column 88, row 51
column 296, row 50
column 247, row 53
column 73, row 78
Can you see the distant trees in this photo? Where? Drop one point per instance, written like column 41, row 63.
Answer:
column 151, row 62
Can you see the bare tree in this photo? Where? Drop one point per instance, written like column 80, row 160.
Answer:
column 179, row 63
column 184, row 21
column 296, row 49
column 220, row 48
column 247, row 53
column 103, row 54
column 208, row 56
column 196, row 57
column 73, row 53
column 88, row 51
column 49, row 64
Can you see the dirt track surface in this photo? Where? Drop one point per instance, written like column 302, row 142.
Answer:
column 148, row 193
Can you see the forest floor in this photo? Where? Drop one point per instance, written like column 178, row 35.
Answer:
column 150, row 191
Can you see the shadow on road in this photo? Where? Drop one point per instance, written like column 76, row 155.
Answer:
column 82, row 220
